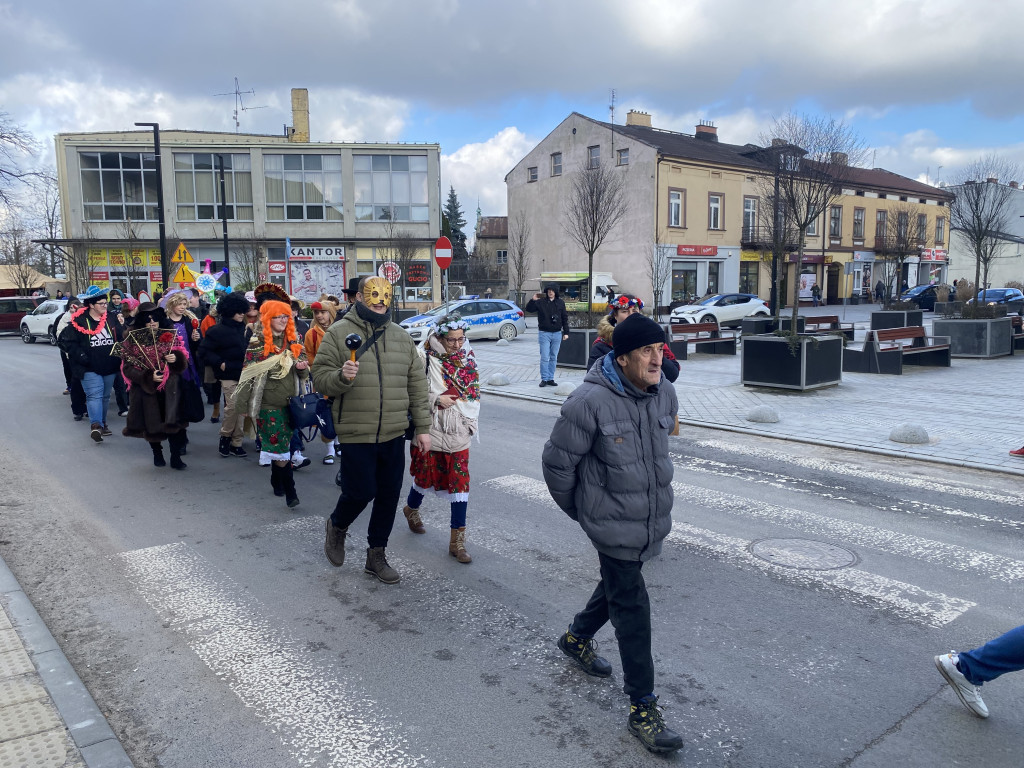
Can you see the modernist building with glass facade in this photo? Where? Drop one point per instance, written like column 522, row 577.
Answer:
column 307, row 215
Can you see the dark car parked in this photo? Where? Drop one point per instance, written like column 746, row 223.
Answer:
column 999, row 296
column 13, row 308
column 922, row 295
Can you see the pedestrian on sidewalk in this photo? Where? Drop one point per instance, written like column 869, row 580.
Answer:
column 274, row 368
column 815, row 294
column 156, row 408
column 607, row 466
column 376, row 397
column 618, row 310
column 88, row 340
column 966, row 672
column 552, row 329
column 223, row 349
column 455, row 411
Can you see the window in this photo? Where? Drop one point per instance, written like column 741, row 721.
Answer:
column 714, row 211
column 835, row 221
column 881, row 222
column 676, row 208
column 501, row 257
column 812, row 228
column 117, row 186
column 922, row 228
column 749, row 219
column 197, row 186
column 303, row 187
column 940, row 230
column 531, row 174
column 858, row 223
column 748, row 276
column 556, row 163
column 593, row 157
column 902, row 226
column 390, row 185
column 622, row 156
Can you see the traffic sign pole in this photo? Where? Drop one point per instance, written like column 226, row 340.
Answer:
column 443, row 257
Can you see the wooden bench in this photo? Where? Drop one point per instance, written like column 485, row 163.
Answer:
column 705, row 337
column 887, row 350
column 828, row 323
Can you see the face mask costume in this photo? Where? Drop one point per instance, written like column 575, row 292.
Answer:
column 377, row 290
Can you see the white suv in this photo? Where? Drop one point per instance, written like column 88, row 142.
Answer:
column 42, row 321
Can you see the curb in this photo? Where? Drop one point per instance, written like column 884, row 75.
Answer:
column 82, row 717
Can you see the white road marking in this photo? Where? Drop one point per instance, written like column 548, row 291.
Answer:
column 907, row 600
column 319, row 717
column 926, row 550
column 842, row 468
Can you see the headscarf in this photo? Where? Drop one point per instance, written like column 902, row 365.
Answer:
column 268, row 311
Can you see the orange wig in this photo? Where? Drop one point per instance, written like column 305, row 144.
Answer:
column 270, row 310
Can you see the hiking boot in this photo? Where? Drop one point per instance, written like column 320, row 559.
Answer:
column 224, row 447
column 96, row 432
column 582, row 651
column 457, row 545
column 106, row 431
column 969, row 694
column 334, row 544
column 377, row 564
column 412, row 516
column 237, row 450
column 646, row 723
column 288, row 484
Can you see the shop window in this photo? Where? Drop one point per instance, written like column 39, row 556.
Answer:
column 749, row 272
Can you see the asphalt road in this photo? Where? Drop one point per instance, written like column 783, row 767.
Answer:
column 797, row 605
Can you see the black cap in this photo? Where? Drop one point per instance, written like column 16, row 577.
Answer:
column 634, row 332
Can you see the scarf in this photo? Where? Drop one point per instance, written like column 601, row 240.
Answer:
column 458, row 369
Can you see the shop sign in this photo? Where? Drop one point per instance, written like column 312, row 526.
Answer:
column 390, row 272
column 809, row 258
column 863, row 255
column 933, row 254
column 99, row 275
column 696, row 250
column 417, row 273
column 156, row 276
column 277, row 268
column 316, row 252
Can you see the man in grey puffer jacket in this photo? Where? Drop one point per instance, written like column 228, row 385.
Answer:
column 607, row 466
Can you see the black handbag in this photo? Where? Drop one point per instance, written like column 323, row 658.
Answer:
column 302, row 408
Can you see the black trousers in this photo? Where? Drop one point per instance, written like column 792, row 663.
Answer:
column 371, row 472
column 120, row 392
column 621, row 597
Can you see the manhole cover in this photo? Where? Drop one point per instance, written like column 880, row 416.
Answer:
column 806, row 554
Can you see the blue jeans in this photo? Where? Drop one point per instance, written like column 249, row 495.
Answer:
column 97, row 395
column 994, row 658
column 549, row 342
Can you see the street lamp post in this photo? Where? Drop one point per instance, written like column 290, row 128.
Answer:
column 164, row 266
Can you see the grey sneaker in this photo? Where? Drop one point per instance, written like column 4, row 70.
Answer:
column 334, row 544
column 969, row 695
column 377, row 565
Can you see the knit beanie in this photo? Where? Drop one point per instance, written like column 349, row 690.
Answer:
column 634, row 332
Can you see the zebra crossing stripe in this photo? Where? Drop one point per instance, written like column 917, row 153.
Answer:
column 906, row 600
column 319, row 717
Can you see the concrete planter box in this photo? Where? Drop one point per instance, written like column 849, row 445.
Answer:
column 575, row 351
column 896, row 318
column 948, row 308
column 976, row 338
column 751, row 326
column 768, row 361
column 853, row 300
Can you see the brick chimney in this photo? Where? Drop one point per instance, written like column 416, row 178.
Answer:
column 992, row 180
column 840, row 158
column 300, row 116
column 634, row 117
column 1014, row 184
column 706, row 131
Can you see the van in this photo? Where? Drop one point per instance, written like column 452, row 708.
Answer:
column 572, row 286
column 13, row 308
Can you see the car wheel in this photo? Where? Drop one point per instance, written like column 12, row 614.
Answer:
column 507, row 332
column 26, row 335
column 708, row 319
column 51, row 334
column 760, row 313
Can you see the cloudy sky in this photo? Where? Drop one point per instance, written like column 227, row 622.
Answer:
column 928, row 85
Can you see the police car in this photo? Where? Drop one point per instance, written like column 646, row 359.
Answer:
column 487, row 318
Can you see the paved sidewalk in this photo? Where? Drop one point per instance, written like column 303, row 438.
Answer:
column 966, row 409
column 47, row 717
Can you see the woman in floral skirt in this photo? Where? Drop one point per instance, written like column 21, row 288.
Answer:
column 275, row 364
column 455, row 410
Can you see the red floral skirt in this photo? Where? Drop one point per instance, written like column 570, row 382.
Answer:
column 445, row 472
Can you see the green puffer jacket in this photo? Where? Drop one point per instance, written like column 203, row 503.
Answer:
column 391, row 384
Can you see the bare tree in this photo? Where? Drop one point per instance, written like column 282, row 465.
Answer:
column 404, row 248
column 45, row 212
column 15, row 142
column 981, row 210
column 520, row 255
column 247, row 257
column 773, row 232
column 134, row 258
column 659, row 270
column 17, row 254
column 596, row 203
column 811, row 164
column 898, row 240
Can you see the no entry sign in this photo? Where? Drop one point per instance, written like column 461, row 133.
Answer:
column 443, row 252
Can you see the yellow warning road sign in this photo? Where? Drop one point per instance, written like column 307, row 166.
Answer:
column 182, row 256
column 184, row 275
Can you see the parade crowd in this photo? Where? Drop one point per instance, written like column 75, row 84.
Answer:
column 253, row 358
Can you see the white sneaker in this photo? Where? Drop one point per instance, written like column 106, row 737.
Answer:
column 969, row 694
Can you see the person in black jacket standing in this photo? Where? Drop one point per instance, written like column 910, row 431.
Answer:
column 223, row 350
column 553, row 329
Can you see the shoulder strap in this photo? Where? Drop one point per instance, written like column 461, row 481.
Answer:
column 369, row 342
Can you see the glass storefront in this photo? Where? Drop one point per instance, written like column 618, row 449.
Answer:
column 684, row 281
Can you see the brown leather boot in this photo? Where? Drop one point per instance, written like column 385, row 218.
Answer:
column 457, row 547
column 412, row 516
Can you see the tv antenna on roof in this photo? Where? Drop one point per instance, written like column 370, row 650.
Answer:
column 611, row 106
column 239, row 104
